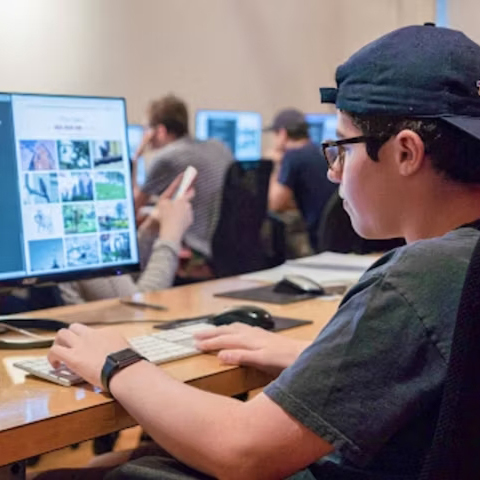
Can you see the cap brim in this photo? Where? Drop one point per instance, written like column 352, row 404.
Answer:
column 268, row 129
column 328, row 95
column 470, row 125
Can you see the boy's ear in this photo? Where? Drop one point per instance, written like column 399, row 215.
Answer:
column 409, row 152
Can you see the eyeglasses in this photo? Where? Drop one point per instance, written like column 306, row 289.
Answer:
column 334, row 151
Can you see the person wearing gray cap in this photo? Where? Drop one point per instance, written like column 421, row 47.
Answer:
column 300, row 174
column 360, row 401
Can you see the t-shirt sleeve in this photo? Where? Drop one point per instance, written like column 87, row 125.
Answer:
column 370, row 371
column 288, row 173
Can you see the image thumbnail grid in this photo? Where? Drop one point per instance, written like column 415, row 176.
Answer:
column 72, row 191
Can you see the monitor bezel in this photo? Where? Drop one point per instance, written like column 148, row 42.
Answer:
column 83, row 273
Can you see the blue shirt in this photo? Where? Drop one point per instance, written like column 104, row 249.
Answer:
column 304, row 171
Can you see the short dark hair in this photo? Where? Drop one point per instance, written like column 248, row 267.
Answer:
column 453, row 152
column 172, row 113
column 298, row 132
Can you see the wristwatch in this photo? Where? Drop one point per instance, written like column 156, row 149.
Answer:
column 116, row 362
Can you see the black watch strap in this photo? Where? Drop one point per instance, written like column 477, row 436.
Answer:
column 116, row 362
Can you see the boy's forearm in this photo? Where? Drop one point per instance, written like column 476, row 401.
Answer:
column 178, row 417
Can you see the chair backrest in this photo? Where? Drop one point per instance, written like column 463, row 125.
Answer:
column 336, row 233
column 455, row 451
column 237, row 242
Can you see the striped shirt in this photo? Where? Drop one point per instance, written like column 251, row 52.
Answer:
column 211, row 158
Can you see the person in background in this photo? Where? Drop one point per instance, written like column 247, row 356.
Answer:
column 159, row 236
column 300, row 174
column 173, row 151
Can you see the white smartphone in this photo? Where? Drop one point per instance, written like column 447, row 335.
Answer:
column 146, row 209
column 189, row 176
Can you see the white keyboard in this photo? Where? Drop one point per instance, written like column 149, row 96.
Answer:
column 167, row 345
column 161, row 347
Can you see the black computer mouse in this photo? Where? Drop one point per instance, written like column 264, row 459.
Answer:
column 296, row 284
column 249, row 314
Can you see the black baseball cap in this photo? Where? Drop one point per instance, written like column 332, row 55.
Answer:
column 415, row 71
column 288, row 118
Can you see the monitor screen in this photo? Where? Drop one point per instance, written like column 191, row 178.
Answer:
column 66, row 201
column 322, row 126
column 135, row 136
column 240, row 131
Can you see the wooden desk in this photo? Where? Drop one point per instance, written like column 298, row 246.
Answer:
column 38, row 416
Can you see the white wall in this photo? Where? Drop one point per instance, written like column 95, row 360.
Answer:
column 464, row 15
column 234, row 54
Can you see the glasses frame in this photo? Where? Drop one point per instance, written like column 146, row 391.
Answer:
column 341, row 151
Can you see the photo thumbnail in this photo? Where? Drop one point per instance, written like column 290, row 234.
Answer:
column 41, row 221
column 38, row 155
column 75, row 186
column 73, row 154
column 81, row 250
column 108, row 154
column 46, row 254
column 40, row 188
column 112, row 216
column 110, row 185
column 115, row 247
column 79, row 218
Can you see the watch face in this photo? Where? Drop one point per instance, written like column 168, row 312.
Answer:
column 124, row 355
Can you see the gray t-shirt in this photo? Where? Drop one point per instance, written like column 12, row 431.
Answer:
column 370, row 383
column 211, row 158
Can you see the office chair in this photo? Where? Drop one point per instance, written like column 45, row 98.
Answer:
column 237, row 245
column 455, row 450
column 336, row 233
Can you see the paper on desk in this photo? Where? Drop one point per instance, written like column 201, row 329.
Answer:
column 325, row 268
column 336, row 261
column 323, row 276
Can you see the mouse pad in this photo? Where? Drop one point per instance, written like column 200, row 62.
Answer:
column 281, row 323
column 267, row 295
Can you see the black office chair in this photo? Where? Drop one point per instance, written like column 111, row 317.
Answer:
column 237, row 245
column 455, row 451
column 336, row 233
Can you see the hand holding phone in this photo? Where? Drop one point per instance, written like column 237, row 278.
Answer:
column 188, row 178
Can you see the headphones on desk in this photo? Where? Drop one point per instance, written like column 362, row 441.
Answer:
column 21, row 325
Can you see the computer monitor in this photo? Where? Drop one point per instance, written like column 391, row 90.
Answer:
column 240, row 131
column 322, row 127
column 66, row 204
column 135, row 135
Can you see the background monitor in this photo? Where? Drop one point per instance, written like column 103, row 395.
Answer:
column 135, row 135
column 322, row 126
column 240, row 131
column 66, row 203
